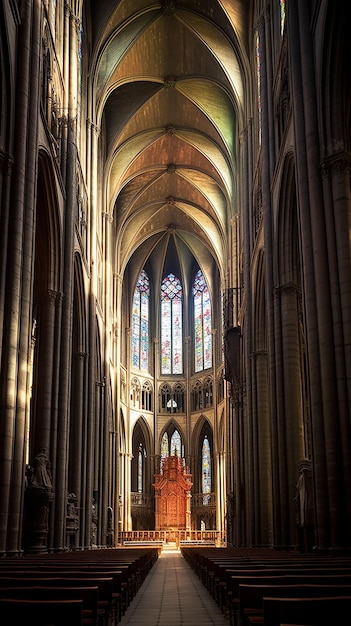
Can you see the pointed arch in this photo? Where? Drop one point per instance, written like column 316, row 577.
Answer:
column 202, row 431
column 292, row 382
column 47, row 278
column 141, row 451
column 172, row 440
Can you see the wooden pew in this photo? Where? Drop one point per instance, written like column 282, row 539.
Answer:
column 314, row 611
column 233, row 602
column 123, row 582
column 128, row 568
column 88, row 595
column 215, row 566
column 251, row 596
column 41, row 612
column 104, row 584
column 135, row 564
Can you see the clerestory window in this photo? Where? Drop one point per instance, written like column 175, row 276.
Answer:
column 282, row 15
column 140, row 323
column 202, row 323
column 171, row 325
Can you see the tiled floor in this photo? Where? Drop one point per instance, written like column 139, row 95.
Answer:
column 172, row 595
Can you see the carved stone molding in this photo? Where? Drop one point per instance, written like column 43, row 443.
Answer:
column 286, row 288
column 336, row 164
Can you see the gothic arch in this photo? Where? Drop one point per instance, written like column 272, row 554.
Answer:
column 335, row 81
column 79, row 364
column 46, row 304
column 141, row 435
column 171, row 426
column 292, row 391
column 258, row 481
column 142, row 477
column 288, row 256
column 259, row 304
column 202, row 428
column 49, row 229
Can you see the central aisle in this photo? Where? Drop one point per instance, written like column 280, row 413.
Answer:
column 172, row 595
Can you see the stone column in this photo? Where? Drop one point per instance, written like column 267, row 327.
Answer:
column 6, row 167
column 319, row 323
column 44, row 401
column 16, row 343
column 296, row 445
column 78, row 434
column 336, row 170
column 243, row 427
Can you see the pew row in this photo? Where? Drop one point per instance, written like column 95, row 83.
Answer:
column 41, row 612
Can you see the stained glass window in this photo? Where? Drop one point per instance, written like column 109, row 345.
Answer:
column 176, row 444
column 171, row 325
column 206, row 470
column 171, row 446
column 140, row 323
column 282, row 15
column 202, row 323
column 164, row 446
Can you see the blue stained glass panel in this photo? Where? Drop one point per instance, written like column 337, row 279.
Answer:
column 140, row 323
column 171, row 325
column 202, row 323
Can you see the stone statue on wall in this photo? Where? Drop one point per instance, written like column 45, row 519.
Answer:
column 304, row 507
column 40, row 472
column 38, row 496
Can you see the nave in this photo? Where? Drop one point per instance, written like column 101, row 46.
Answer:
column 173, row 595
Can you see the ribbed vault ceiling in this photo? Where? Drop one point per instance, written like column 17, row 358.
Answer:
column 169, row 87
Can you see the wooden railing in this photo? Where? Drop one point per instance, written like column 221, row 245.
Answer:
column 179, row 537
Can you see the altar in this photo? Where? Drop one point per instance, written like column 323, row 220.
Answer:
column 172, row 495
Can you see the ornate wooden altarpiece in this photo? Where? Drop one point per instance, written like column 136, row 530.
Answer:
column 172, row 495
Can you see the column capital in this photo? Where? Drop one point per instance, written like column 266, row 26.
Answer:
column 336, row 163
column 286, row 288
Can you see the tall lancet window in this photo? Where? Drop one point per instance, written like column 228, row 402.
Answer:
column 282, row 15
column 171, row 445
column 206, row 470
column 164, row 446
column 202, row 323
column 176, row 444
column 140, row 323
column 171, row 325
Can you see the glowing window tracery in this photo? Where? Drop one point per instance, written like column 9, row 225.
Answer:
column 171, row 325
column 140, row 323
column 202, row 323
